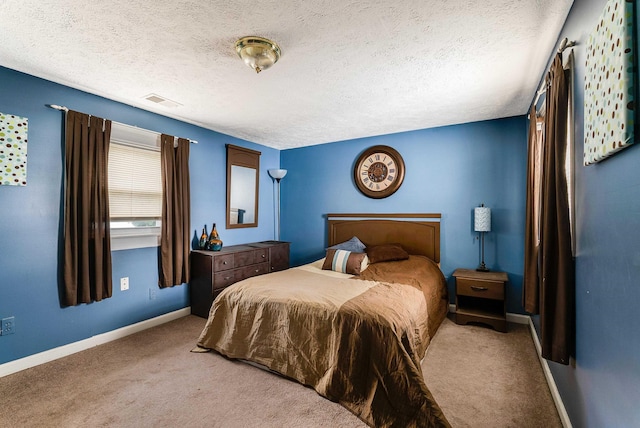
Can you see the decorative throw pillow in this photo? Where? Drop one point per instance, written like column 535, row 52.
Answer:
column 386, row 253
column 344, row 261
column 354, row 245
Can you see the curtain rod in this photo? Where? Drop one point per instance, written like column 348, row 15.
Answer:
column 564, row 45
column 65, row 109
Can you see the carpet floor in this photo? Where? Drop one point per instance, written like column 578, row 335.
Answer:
column 480, row 378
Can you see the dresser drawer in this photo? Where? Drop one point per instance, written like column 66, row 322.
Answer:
column 224, row 279
column 253, row 270
column 279, row 256
column 480, row 289
column 261, row 256
column 222, row 262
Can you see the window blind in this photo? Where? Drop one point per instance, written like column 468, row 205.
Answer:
column 135, row 183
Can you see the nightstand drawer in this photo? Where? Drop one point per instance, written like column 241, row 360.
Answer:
column 480, row 289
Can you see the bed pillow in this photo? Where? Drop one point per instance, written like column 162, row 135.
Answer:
column 354, row 245
column 344, row 261
column 386, row 253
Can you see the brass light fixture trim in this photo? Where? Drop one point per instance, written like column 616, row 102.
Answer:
column 257, row 52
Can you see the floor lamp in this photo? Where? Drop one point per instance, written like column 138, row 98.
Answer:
column 482, row 224
column 277, row 175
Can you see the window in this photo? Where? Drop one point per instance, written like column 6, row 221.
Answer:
column 135, row 187
column 569, row 169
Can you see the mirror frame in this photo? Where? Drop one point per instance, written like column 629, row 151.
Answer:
column 241, row 156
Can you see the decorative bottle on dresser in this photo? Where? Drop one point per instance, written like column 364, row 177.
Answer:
column 215, row 243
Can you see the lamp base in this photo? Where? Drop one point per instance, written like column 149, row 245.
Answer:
column 482, row 268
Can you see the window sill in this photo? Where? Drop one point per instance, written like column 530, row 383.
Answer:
column 127, row 239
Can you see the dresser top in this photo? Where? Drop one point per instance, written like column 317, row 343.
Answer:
column 226, row 250
column 243, row 247
column 487, row 276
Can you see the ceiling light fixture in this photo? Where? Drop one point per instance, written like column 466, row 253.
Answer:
column 257, row 52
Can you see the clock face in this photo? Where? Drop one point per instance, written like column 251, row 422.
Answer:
column 379, row 171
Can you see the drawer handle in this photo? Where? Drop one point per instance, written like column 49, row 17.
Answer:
column 478, row 288
column 263, row 256
column 224, row 263
column 257, row 270
column 227, row 277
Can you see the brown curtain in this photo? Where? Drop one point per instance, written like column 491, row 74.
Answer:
column 530, row 295
column 87, row 243
column 173, row 263
column 556, row 281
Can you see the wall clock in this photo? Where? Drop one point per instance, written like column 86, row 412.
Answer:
column 379, row 172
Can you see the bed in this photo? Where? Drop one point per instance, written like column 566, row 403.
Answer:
column 356, row 339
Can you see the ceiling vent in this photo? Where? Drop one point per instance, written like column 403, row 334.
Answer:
column 157, row 99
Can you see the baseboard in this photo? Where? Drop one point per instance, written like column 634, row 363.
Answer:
column 518, row 318
column 63, row 351
column 557, row 399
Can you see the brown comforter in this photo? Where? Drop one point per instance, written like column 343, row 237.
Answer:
column 356, row 342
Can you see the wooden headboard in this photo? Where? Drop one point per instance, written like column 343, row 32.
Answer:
column 417, row 233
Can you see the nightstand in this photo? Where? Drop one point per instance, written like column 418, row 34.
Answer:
column 480, row 297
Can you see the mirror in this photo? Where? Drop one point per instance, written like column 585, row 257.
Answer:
column 242, row 187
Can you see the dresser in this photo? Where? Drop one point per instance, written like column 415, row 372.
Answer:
column 480, row 297
column 213, row 271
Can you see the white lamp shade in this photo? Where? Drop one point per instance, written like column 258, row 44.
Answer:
column 482, row 219
column 277, row 173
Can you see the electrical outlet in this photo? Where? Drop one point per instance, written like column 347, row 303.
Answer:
column 124, row 283
column 8, row 326
column 152, row 294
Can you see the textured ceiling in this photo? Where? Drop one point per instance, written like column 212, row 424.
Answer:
column 349, row 68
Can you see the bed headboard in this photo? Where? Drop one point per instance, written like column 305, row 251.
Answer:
column 417, row 233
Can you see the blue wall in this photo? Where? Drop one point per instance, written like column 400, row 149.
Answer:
column 603, row 387
column 30, row 218
column 449, row 170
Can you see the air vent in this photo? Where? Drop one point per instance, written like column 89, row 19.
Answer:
column 157, row 99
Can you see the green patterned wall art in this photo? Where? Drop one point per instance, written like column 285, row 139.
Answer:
column 609, row 83
column 13, row 150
